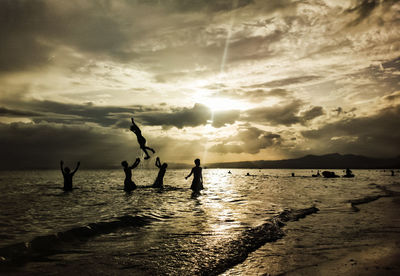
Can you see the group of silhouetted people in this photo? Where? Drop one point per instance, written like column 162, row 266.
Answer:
column 129, row 184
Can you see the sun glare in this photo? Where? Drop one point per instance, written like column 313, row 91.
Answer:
column 221, row 104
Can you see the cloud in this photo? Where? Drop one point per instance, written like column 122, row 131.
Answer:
column 20, row 48
column 312, row 113
column 285, row 82
column 283, row 114
column 189, row 117
column 43, row 145
column 364, row 8
column 56, row 112
column 375, row 135
column 222, row 118
column 250, row 140
column 254, row 95
column 17, row 113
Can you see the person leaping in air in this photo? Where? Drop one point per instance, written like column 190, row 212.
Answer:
column 141, row 140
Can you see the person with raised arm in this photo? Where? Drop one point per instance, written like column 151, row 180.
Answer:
column 197, row 183
column 129, row 185
column 67, row 174
column 159, row 183
column 141, row 140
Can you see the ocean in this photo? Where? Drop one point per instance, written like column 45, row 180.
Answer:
column 265, row 223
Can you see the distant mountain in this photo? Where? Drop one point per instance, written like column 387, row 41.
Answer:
column 328, row 161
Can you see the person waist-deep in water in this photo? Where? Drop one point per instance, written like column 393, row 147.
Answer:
column 129, row 185
column 67, row 174
column 159, row 182
column 197, row 183
column 141, row 140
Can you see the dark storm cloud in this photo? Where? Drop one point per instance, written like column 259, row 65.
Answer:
column 363, row 9
column 250, row 140
column 43, row 145
column 312, row 113
column 17, row 113
column 106, row 116
column 376, row 135
column 31, row 31
column 284, row 82
column 200, row 5
column 283, row 114
column 189, row 117
column 20, row 48
column 51, row 111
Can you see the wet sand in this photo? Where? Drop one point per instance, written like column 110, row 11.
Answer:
column 381, row 257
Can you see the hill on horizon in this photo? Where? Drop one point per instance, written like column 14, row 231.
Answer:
column 327, row 161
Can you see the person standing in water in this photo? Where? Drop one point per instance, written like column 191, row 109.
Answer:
column 67, row 174
column 141, row 140
column 197, row 183
column 129, row 185
column 159, row 183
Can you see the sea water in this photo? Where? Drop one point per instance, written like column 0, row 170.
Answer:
column 98, row 228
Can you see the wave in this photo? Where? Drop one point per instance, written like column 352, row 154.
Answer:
column 232, row 252
column 216, row 257
column 49, row 244
column 367, row 199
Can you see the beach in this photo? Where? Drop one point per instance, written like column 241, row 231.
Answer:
column 267, row 223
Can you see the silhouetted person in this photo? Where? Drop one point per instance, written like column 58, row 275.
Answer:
column 316, row 175
column 292, row 174
column 392, row 172
column 129, row 185
column 67, row 174
column 349, row 173
column 159, row 183
column 197, row 183
column 141, row 140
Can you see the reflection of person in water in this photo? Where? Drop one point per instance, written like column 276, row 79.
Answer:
column 129, row 185
column 141, row 140
column 197, row 183
column 159, row 180
column 67, row 174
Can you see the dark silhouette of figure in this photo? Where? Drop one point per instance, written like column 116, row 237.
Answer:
column 197, row 183
column 67, row 174
column 141, row 140
column 316, row 175
column 328, row 174
column 292, row 174
column 392, row 172
column 349, row 173
column 159, row 182
column 129, row 185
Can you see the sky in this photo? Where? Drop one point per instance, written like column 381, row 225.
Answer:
column 219, row 80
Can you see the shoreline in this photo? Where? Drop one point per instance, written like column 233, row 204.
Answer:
column 380, row 258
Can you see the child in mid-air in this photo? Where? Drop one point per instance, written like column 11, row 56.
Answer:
column 141, row 140
column 197, row 183
column 159, row 180
column 67, row 174
column 129, row 185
